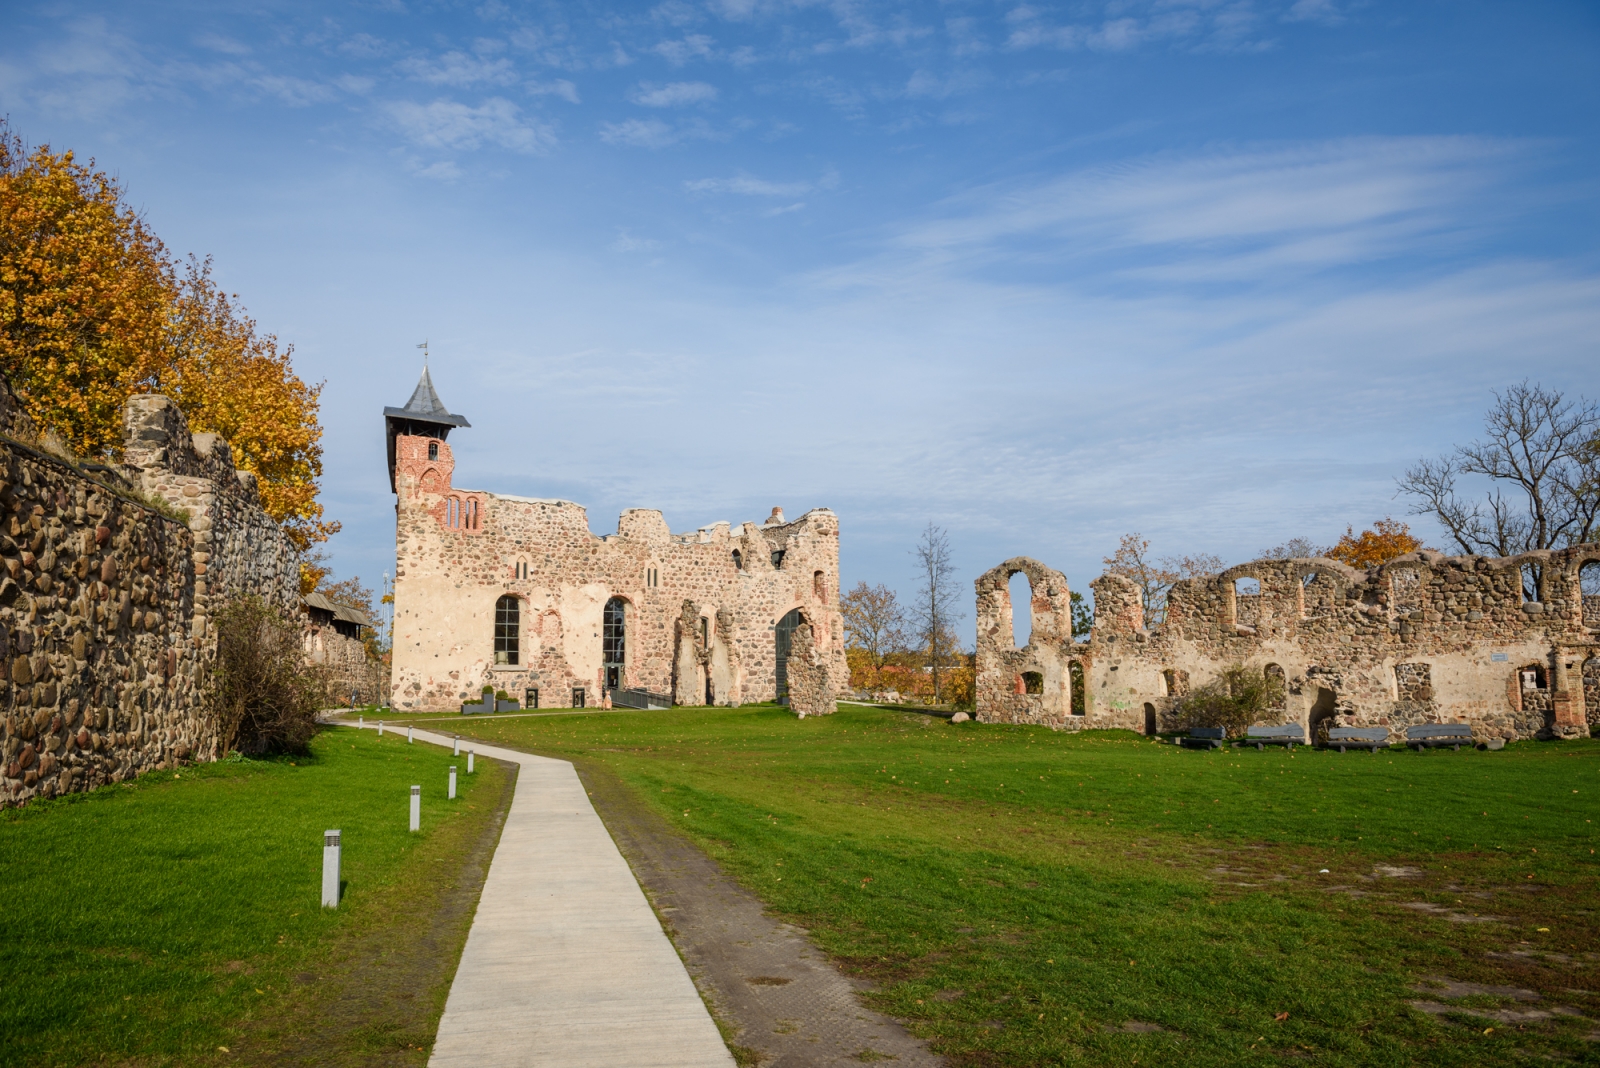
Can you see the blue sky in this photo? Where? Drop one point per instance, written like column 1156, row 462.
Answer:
column 1215, row 271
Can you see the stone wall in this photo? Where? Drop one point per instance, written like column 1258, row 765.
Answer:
column 104, row 632
column 346, row 667
column 1424, row 638
column 700, row 608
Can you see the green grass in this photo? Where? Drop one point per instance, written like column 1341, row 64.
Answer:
column 158, row 920
column 1022, row 895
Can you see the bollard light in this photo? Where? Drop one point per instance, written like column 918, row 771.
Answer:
column 380, row 728
column 330, row 869
column 452, row 782
column 361, row 721
column 457, row 750
column 408, row 733
column 416, row 808
column 469, row 762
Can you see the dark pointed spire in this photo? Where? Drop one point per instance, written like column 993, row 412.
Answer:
column 425, row 399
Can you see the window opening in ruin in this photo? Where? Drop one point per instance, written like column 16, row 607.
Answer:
column 1308, row 578
column 507, row 630
column 1080, row 692
column 614, row 642
column 522, row 570
column 472, row 514
column 819, row 586
column 1247, row 601
column 783, row 641
column 1149, row 719
column 1020, row 589
column 1591, row 691
column 652, row 577
column 452, row 512
column 777, row 559
column 433, row 450
column 738, row 561
column 705, row 632
column 1589, row 590
column 530, row 699
column 578, row 697
column 1533, row 677
column 1273, row 671
column 1032, row 682
column 1530, row 582
column 1405, row 589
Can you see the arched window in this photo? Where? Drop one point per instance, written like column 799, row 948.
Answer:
column 507, row 630
column 783, row 640
column 433, row 450
column 1080, row 692
column 1149, row 719
column 1032, row 682
column 614, row 643
column 1247, row 601
column 452, row 512
column 819, row 586
column 777, row 559
column 738, row 560
column 1020, row 588
column 472, row 514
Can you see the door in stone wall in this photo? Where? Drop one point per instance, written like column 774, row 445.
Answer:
column 784, row 640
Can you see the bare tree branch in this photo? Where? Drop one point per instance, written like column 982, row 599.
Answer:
column 935, row 611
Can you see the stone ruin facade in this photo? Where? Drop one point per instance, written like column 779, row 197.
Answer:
column 331, row 640
column 1510, row 646
column 517, row 594
column 106, row 602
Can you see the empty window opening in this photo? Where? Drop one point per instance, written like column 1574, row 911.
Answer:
column 578, row 697
column 777, row 559
column 507, row 630
column 1021, row 591
column 1275, row 673
column 738, row 560
column 1323, row 710
column 1413, row 683
column 1247, row 601
column 472, row 514
column 1589, row 590
column 614, row 642
column 783, row 640
column 1149, row 719
column 1308, row 579
column 1533, row 677
column 452, row 511
column 705, row 632
column 819, row 586
column 1032, row 682
column 1530, row 582
column 433, row 450
column 1176, row 681
column 1080, row 692
column 530, row 698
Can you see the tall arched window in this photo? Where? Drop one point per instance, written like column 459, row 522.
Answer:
column 433, row 450
column 614, row 642
column 1080, row 692
column 783, row 639
column 507, row 630
column 452, row 511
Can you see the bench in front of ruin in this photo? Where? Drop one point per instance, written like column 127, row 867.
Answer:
column 1370, row 738
column 1433, row 735
column 1289, row 735
column 1204, row 738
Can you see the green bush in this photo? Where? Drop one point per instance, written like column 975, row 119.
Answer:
column 1239, row 698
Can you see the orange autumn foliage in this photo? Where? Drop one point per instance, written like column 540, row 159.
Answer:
column 1388, row 538
column 93, row 310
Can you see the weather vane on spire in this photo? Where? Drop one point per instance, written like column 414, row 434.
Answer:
column 424, row 348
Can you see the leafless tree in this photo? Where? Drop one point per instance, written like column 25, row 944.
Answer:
column 1539, row 454
column 1294, row 549
column 1155, row 579
column 873, row 621
column 935, row 612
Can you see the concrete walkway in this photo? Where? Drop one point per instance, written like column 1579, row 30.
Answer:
column 566, row 965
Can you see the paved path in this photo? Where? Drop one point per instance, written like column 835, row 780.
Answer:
column 566, row 965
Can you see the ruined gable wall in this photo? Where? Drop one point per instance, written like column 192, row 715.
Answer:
column 1425, row 638
column 541, row 551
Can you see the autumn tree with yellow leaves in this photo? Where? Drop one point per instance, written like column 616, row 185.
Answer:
column 1387, row 539
column 94, row 310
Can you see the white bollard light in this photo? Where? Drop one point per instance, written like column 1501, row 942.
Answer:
column 330, row 869
column 408, row 734
column 361, row 721
column 452, row 782
column 416, row 808
column 380, row 728
column 457, row 750
column 469, row 761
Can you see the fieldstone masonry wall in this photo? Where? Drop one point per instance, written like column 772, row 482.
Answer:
column 1424, row 638
column 700, row 609
column 104, row 636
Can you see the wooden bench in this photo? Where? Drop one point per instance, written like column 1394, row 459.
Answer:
column 1371, row 738
column 1288, row 735
column 1204, row 738
column 1431, row 735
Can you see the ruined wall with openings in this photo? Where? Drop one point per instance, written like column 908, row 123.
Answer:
column 350, row 675
column 700, row 609
column 1510, row 646
column 104, row 633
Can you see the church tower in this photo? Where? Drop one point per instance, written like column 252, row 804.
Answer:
column 424, row 416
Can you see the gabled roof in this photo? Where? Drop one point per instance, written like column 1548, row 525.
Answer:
column 425, row 406
column 340, row 612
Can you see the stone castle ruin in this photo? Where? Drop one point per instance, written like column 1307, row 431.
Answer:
column 516, row 594
column 1510, row 646
column 106, row 599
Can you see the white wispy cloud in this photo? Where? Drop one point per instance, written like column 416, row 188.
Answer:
column 451, row 124
column 1127, row 25
column 747, row 185
column 559, row 87
column 673, row 94
column 459, row 69
column 681, row 51
column 653, row 133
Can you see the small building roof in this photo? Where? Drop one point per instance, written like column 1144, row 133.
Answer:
column 425, row 406
column 340, row 611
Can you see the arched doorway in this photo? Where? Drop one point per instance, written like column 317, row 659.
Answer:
column 784, row 641
column 1321, row 717
column 1149, row 720
column 614, row 643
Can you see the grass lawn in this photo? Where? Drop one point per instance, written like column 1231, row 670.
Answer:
column 157, row 921
column 1025, row 897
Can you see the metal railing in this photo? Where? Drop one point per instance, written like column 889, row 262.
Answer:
column 639, row 699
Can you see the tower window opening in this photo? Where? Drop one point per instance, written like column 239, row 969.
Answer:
column 433, row 450
column 507, row 630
